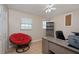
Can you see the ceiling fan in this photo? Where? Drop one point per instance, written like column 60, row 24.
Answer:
column 50, row 8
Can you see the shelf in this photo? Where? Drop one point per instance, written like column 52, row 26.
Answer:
column 50, row 29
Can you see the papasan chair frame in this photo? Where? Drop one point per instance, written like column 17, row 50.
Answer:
column 22, row 43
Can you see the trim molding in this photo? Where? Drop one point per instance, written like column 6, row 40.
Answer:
column 36, row 40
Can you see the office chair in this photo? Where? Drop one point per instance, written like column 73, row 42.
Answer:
column 60, row 35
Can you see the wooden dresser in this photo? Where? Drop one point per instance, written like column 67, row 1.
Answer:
column 52, row 45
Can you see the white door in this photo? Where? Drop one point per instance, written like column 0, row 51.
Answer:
column 3, row 29
column 0, row 29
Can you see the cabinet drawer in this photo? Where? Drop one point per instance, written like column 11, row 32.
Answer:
column 45, row 46
column 59, row 49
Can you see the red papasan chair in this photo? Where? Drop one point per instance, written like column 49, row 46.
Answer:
column 21, row 41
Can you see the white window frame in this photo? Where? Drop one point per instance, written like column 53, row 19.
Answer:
column 44, row 24
column 26, row 23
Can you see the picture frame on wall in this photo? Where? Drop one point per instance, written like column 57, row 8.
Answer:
column 68, row 20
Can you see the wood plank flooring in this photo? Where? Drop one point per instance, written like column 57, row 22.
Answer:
column 35, row 48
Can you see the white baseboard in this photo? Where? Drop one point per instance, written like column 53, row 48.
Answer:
column 36, row 40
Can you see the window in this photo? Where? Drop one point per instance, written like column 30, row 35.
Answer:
column 26, row 23
column 44, row 24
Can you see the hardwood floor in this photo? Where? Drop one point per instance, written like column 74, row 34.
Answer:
column 35, row 48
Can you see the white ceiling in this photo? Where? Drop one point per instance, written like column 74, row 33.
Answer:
column 38, row 9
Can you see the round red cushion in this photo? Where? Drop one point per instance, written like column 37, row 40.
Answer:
column 20, row 38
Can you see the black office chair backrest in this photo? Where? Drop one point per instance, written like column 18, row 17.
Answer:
column 60, row 35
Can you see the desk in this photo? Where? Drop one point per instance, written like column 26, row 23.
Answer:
column 58, row 46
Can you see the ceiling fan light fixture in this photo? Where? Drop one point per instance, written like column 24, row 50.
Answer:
column 50, row 8
column 53, row 9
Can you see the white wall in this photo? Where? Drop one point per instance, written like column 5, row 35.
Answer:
column 15, row 20
column 75, row 21
column 60, row 23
